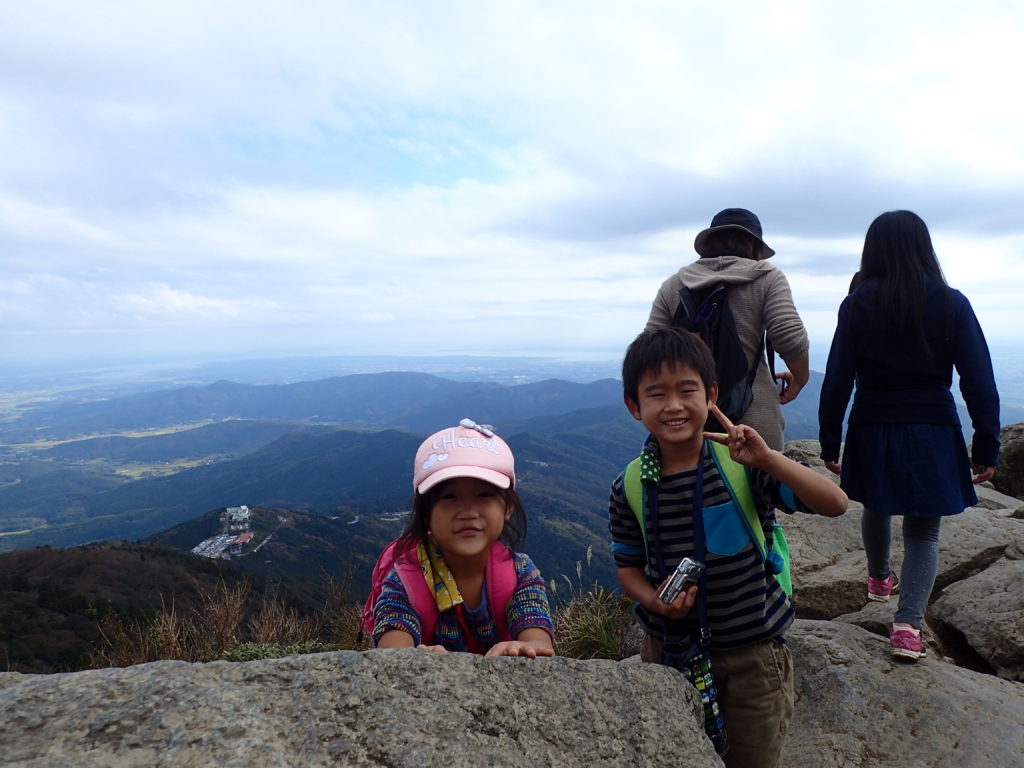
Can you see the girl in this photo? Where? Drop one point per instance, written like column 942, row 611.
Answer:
column 466, row 518
column 900, row 334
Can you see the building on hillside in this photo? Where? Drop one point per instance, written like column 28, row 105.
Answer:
column 235, row 547
column 238, row 514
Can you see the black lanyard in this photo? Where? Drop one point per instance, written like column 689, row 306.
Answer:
column 699, row 546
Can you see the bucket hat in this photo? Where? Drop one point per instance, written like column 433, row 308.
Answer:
column 734, row 218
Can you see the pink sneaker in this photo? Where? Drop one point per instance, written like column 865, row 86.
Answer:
column 880, row 589
column 906, row 644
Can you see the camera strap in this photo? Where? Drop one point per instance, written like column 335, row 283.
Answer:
column 699, row 545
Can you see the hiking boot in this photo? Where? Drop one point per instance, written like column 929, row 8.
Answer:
column 906, row 644
column 880, row 589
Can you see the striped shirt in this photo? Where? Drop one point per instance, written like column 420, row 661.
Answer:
column 527, row 608
column 745, row 604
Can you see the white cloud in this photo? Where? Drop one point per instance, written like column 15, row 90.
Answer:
column 522, row 175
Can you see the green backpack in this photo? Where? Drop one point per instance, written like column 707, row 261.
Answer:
column 737, row 482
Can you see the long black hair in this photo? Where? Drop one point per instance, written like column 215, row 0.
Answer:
column 899, row 255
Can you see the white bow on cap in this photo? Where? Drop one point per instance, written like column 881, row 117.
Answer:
column 484, row 429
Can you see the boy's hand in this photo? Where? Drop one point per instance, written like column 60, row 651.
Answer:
column 745, row 444
column 678, row 608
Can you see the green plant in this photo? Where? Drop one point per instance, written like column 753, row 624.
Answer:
column 590, row 622
column 594, row 624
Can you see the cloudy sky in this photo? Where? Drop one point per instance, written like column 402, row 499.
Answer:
column 247, row 178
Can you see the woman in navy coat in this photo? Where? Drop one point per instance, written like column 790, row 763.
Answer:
column 900, row 334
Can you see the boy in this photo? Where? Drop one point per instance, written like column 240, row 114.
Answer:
column 668, row 385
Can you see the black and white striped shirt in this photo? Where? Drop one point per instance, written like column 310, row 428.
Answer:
column 746, row 605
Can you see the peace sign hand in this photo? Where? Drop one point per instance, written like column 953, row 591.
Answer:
column 745, row 444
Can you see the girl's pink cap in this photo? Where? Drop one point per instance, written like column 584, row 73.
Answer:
column 468, row 450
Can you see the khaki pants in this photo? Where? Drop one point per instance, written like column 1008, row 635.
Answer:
column 755, row 693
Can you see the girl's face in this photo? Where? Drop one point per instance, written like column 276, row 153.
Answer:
column 468, row 517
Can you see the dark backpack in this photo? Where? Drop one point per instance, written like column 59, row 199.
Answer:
column 706, row 313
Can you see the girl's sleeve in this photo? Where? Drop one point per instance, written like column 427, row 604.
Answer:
column 977, row 383
column 837, row 387
column 528, row 607
column 394, row 610
column 627, row 538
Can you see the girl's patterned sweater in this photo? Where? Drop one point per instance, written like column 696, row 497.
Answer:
column 527, row 608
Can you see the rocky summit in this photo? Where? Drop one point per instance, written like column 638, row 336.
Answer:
column 961, row 706
column 413, row 708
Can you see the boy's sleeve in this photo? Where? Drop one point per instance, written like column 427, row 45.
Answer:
column 393, row 610
column 528, row 607
column 627, row 538
column 769, row 493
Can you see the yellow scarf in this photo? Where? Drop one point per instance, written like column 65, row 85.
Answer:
column 438, row 575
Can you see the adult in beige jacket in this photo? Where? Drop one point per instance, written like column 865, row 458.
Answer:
column 732, row 251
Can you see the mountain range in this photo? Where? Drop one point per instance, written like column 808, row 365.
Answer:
column 80, row 470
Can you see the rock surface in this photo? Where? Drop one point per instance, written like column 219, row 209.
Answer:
column 855, row 707
column 393, row 708
column 976, row 614
column 1009, row 477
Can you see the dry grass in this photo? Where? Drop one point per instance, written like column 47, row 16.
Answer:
column 590, row 623
column 220, row 620
column 593, row 624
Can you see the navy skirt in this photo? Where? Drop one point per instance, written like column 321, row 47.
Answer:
column 918, row 470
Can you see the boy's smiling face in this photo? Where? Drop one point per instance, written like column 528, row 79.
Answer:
column 673, row 405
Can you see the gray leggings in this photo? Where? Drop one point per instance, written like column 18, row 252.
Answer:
column 920, row 560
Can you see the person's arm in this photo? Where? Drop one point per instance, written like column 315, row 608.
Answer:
column 395, row 638
column 661, row 308
column 978, row 387
column 396, row 624
column 796, row 378
column 840, row 372
column 785, row 331
column 817, row 492
column 629, row 555
column 528, row 615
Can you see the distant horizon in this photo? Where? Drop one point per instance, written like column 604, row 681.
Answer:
column 1008, row 361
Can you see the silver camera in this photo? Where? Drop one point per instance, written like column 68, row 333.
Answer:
column 687, row 572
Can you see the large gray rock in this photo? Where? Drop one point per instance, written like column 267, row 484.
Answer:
column 395, row 708
column 854, row 707
column 987, row 610
column 1009, row 477
column 857, row 707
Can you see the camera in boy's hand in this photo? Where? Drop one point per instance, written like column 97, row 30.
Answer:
column 687, row 572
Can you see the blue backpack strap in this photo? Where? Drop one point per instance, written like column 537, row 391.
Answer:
column 774, row 553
